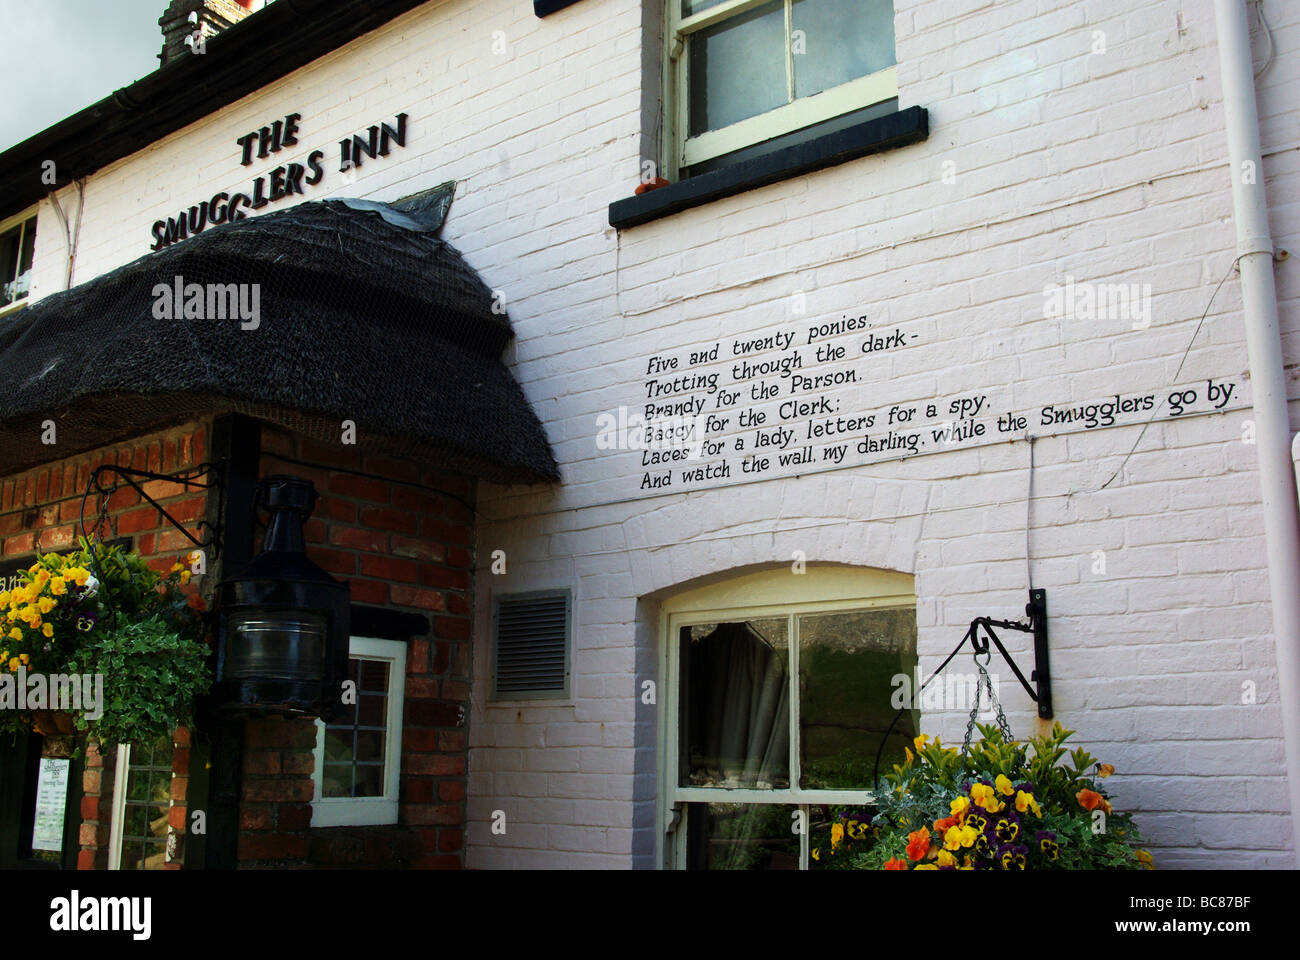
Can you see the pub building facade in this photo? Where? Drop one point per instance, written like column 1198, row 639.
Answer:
column 676, row 383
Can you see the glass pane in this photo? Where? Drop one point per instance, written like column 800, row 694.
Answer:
column 850, row 666
column 368, row 781
column 370, row 745
column 136, row 820
column 155, row 855
column 691, row 7
column 338, row 744
column 741, row 836
column 836, row 41
column 9, row 243
column 25, row 261
column 735, row 721
column 371, row 711
column 374, row 676
column 737, row 68
column 336, row 780
column 132, row 856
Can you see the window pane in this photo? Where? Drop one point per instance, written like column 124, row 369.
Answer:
column 374, row 676
column 692, row 7
column 737, row 68
column 741, row 836
column 848, row 663
column 842, row 40
column 148, row 800
column 735, row 722
column 9, row 243
column 355, row 744
column 25, row 260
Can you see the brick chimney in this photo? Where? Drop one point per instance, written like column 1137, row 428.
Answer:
column 213, row 16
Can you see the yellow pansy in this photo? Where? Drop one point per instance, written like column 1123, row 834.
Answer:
column 837, row 835
column 946, row 859
column 26, row 658
column 47, row 629
column 16, row 633
column 959, row 805
column 4, row 598
column 926, row 866
column 185, row 576
column 983, row 796
column 77, row 575
column 58, row 586
column 958, row 837
column 14, row 664
column 1026, row 801
column 46, row 604
column 1003, row 785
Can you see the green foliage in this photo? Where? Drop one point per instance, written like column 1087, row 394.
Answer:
column 152, row 674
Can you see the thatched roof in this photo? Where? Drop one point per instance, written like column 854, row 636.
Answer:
column 364, row 315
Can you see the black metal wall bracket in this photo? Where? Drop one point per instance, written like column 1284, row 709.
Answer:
column 1036, row 609
column 187, row 478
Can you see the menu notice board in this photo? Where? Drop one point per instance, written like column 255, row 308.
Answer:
column 51, row 802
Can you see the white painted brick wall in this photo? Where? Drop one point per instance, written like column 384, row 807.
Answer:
column 1104, row 167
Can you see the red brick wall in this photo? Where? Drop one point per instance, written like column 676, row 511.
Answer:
column 400, row 535
column 39, row 511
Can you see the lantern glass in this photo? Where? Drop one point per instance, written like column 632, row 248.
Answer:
column 289, row 644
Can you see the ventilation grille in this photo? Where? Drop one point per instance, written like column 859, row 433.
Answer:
column 530, row 646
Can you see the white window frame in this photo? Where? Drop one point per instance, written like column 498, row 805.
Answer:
column 367, row 811
column 19, row 220
column 117, row 821
column 822, row 588
column 684, row 151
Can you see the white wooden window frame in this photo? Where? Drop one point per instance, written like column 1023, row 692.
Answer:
column 18, row 220
column 775, row 593
column 797, row 113
column 367, row 811
column 117, row 821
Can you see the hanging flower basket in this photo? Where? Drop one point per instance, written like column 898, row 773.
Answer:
column 1002, row 805
column 133, row 636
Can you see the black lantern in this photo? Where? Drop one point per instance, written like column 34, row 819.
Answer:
column 283, row 620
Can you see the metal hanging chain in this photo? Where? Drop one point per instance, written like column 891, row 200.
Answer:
column 985, row 683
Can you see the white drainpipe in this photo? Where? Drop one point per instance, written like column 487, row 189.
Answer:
column 1277, row 474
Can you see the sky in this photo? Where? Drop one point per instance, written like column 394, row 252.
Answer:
column 68, row 54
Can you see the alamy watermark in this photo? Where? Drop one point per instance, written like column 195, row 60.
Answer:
column 65, row 692
column 662, row 439
column 179, row 300
column 947, row 691
column 1098, row 301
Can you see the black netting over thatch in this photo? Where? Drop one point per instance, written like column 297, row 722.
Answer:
column 363, row 314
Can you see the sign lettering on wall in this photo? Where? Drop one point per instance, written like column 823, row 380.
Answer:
column 849, row 392
column 286, row 180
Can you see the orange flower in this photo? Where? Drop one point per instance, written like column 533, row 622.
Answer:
column 941, row 826
column 918, row 843
column 195, row 602
column 1091, row 800
column 896, row 863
